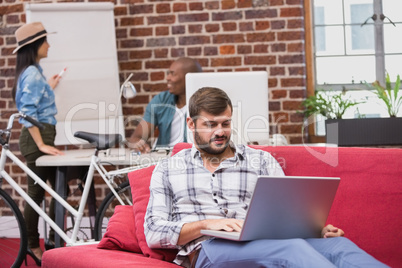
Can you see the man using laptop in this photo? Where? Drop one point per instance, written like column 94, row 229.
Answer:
column 210, row 186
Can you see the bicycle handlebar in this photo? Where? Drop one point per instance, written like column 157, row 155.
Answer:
column 32, row 121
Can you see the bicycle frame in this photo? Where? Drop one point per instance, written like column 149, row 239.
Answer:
column 77, row 214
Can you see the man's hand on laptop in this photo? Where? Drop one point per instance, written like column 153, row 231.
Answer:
column 331, row 231
column 228, row 225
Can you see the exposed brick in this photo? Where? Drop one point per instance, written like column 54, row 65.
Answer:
column 278, row 24
column 131, row 65
column 246, row 49
column 120, row 10
column 194, row 40
column 280, row 117
column 228, row 4
column 297, row 118
column 262, row 25
column 154, row 87
column 158, row 64
column 122, row 56
column 297, row 94
column 230, row 15
column 273, row 71
column 160, row 42
column 161, row 31
column 244, row 3
column 178, row 29
column 260, row 60
column 293, row 82
column 156, row 76
column 140, row 76
column 226, row 50
column 163, row 19
column 179, row 7
column 279, row 94
column 246, row 26
column 278, row 47
column 228, row 38
column 272, row 82
column 291, row 12
column 295, row 47
column 291, row 59
column 212, row 27
column 276, row 2
column 229, row 26
column 193, row 17
column 163, row 8
column 141, row 32
column 261, row 14
column 132, row 21
column 141, row 54
column 13, row 19
column 287, row 36
column 161, row 53
column 295, row 24
column 195, row 28
column 177, row 52
column 297, row 70
column 196, row 6
column 232, row 61
column 261, row 48
column 212, row 5
column 292, row 105
column 194, row 51
column 141, row 9
column 260, row 37
column 121, row 34
column 210, row 51
column 274, row 106
column 291, row 128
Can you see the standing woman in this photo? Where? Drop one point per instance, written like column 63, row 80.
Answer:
column 34, row 97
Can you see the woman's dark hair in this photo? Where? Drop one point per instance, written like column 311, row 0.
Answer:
column 26, row 56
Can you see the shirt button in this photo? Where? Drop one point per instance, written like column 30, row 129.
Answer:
column 213, row 175
column 214, row 194
column 226, row 211
column 216, row 201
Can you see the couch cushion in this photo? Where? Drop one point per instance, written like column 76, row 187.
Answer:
column 139, row 182
column 120, row 232
column 91, row 256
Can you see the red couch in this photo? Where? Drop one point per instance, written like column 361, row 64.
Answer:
column 368, row 207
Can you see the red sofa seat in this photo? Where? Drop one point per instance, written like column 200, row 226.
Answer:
column 367, row 205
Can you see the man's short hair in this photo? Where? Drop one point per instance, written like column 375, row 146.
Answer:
column 209, row 99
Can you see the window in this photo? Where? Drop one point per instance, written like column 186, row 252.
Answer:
column 356, row 41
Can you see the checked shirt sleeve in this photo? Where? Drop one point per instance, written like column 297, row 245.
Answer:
column 160, row 230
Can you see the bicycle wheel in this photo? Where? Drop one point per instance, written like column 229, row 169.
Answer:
column 106, row 209
column 13, row 233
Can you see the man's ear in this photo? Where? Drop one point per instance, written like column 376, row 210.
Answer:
column 190, row 124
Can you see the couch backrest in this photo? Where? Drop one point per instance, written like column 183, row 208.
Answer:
column 369, row 198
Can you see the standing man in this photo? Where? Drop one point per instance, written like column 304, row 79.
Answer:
column 210, row 186
column 167, row 110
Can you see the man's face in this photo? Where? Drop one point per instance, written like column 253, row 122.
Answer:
column 212, row 133
column 176, row 82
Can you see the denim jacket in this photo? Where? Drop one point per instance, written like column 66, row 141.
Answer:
column 35, row 97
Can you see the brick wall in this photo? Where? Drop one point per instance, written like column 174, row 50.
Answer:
column 226, row 35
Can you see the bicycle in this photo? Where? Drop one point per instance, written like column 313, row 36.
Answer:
column 10, row 215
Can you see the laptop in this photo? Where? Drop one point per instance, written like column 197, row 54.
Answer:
column 284, row 208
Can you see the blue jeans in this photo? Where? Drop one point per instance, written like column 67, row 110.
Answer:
column 320, row 252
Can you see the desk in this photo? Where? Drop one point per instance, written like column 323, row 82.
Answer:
column 75, row 163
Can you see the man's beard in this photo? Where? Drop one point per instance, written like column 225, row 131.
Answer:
column 206, row 145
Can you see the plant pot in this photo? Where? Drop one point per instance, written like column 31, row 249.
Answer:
column 364, row 131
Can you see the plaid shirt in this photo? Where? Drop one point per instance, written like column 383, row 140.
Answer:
column 183, row 190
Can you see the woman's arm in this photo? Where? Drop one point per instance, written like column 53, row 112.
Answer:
column 37, row 137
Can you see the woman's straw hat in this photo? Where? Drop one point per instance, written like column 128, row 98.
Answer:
column 29, row 33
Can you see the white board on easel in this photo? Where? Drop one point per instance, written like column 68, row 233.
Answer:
column 88, row 94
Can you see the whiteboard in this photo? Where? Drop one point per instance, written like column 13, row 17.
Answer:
column 248, row 92
column 87, row 97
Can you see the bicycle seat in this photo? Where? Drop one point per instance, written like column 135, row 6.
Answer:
column 101, row 141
